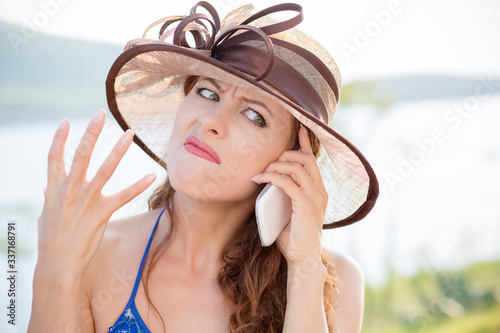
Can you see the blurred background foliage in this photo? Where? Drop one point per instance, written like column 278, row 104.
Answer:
column 433, row 301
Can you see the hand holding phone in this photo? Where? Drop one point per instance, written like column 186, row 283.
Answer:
column 273, row 210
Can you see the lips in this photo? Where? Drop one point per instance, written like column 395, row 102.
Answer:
column 201, row 149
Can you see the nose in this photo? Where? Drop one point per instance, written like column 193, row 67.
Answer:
column 217, row 119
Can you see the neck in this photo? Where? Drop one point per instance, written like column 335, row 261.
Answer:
column 202, row 230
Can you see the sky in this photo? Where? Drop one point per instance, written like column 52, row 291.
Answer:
column 368, row 39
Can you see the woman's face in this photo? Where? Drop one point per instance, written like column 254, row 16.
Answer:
column 223, row 135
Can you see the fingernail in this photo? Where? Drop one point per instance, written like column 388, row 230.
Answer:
column 256, row 177
column 98, row 116
column 151, row 177
column 62, row 124
column 127, row 135
column 44, row 191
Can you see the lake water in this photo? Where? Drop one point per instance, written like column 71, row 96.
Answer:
column 438, row 164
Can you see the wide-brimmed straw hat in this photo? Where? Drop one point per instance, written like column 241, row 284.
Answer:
column 253, row 51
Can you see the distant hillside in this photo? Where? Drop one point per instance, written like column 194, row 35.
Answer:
column 430, row 86
column 52, row 77
column 388, row 90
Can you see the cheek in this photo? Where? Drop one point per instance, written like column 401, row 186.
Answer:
column 181, row 125
column 256, row 151
column 248, row 158
column 182, row 118
column 176, row 166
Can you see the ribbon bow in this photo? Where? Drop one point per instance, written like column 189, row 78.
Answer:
column 210, row 39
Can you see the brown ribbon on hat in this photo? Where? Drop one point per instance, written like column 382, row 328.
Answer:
column 232, row 50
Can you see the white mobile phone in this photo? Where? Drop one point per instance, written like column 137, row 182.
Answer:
column 273, row 210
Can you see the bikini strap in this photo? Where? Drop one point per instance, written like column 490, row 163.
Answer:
column 139, row 273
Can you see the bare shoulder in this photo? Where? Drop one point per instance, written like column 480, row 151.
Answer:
column 350, row 292
column 346, row 268
column 110, row 276
column 125, row 229
column 119, row 246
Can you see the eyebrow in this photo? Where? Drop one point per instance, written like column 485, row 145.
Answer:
column 253, row 101
column 244, row 99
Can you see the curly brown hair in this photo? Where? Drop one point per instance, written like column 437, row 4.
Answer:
column 253, row 278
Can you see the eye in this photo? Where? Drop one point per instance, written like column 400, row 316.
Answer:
column 208, row 94
column 255, row 117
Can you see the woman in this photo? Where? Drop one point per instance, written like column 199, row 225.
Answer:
column 228, row 111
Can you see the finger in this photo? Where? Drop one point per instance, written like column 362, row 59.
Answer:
column 84, row 150
column 300, row 177
column 301, row 162
column 107, row 169
column 300, row 199
column 307, row 160
column 44, row 192
column 121, row 198
column 284, row 182
column 56, row 169
column 310, row 202
column 304, row 141
column 296, row 171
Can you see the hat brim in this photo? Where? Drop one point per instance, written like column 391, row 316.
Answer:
column 349, row 178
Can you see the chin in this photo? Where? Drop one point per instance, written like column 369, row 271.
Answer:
column 200, row 181
column 206, row 188
column 185, row 181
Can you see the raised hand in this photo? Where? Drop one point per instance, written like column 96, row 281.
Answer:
column 75, row 213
